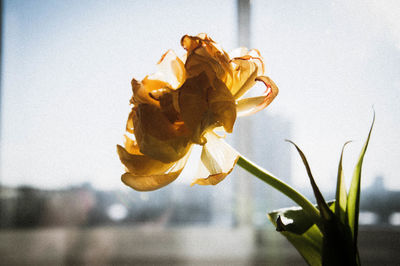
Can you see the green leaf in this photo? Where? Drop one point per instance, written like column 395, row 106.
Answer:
column 353, row 199
column 308, row 245
column 300, row 230
column 332, row 205
column 338, row 248
column 295, row 219
column 341, row 194
column 326, row 213
column 332, row 246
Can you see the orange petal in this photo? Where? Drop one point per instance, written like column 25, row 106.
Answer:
column 141, row 90
column 129, row 123
column 203, row 105
column 189, row 43
column 158, row 137
column 138, row 164
column 204, row 55
column 152, row 180
column 131, row 146
column 193, row 104
column 222, row 106
column 246, row 69
column 171, row 70
column 148, row 183
column 252, row 105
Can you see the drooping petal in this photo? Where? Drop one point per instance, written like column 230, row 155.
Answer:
column 251, row 105
column 152, row 180
column 217, row 160
column 149, row 183
column 171, row 70
column 139, row 164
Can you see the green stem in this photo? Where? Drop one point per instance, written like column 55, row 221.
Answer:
column 281, row 186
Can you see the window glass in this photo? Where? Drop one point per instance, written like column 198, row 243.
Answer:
column 334, row 62
column 66, row 72
column 67, row 68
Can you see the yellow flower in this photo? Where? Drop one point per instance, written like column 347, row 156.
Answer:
column 182, row 104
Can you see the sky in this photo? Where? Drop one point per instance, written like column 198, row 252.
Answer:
column 67, row 68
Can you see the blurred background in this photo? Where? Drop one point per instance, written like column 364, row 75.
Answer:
column 66, row 68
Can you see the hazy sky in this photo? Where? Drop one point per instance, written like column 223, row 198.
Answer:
column 67, row 68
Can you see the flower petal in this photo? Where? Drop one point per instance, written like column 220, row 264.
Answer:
column 129, row 122
column 238, row 52
column 222, row 106
column 153, row 182
column 139, row 164
column 148, row 183
column 193, row 104
column 252, row 105
column 204, row 105
column 217, row 160
column 204, row 55
column 141, row 90
column 148, row 174
column 157, row 137
column 246, row 69
column 171, row 70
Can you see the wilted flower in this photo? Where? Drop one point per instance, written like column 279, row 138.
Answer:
column 182, row 104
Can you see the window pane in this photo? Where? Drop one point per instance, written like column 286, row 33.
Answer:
column 333, row 62
column 67, row 69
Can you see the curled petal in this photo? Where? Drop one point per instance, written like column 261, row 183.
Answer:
column 247, row 69
column 238, row 52
column 252, row 105
column 254, row 53
column 189, row 43
column 217, row 160
column 204, row 55
column 242, row 51
column 171, row 70
column 152, row 179
column 142, row 90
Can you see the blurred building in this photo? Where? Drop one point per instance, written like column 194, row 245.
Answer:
column 273, row 154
